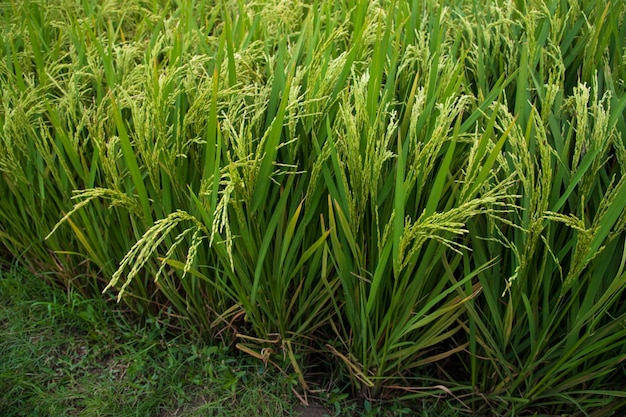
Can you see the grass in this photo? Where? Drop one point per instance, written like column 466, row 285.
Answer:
column 64, row 355
column 430, row 196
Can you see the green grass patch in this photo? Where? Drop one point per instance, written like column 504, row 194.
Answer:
column 64, row 355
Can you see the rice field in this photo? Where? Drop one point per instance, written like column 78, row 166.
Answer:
column 428, row 197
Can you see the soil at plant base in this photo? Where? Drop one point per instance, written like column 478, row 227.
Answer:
column 312, row 410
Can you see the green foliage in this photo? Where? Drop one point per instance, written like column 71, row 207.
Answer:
column 409, row 187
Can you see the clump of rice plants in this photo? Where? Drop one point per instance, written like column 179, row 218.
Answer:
column 430, row 193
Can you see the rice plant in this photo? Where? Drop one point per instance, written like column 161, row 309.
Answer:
column 429, row 193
